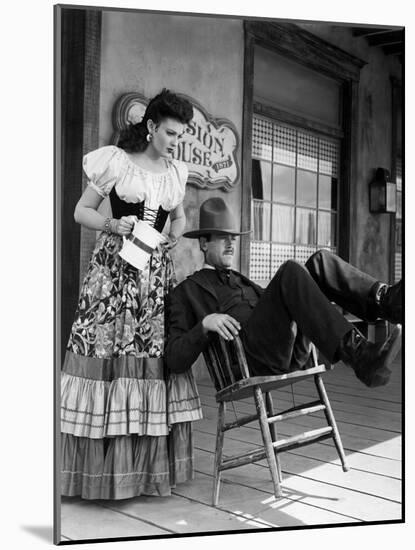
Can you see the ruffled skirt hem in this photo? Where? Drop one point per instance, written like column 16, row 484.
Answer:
column 126, row 466
column 183, row 401
column 77, row 486
column 97, row 408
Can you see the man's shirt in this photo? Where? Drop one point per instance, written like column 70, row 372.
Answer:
column 236, row 298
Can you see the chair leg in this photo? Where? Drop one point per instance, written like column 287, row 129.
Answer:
column 266, row 437
column 331, row 420
column 218, row 453
column 273, row 430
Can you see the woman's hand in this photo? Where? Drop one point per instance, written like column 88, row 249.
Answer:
column 169, row 243
column 123, row 226
column 223, row 324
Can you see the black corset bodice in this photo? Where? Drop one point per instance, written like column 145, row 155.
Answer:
column 156, row 218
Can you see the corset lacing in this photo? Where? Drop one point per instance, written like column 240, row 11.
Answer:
column 150, row 215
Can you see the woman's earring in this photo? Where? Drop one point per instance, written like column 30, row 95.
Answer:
column 148, row 137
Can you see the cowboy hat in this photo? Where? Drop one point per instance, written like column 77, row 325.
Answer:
column 215, row 218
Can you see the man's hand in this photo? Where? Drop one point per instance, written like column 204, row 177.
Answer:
column 223, row 324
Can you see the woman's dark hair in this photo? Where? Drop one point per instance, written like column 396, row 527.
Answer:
column 166, row 104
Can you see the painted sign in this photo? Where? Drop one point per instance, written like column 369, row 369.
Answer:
column 209, row 145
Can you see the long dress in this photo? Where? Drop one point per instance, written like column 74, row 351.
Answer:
column 126, row 428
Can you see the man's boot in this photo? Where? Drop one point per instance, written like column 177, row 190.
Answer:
column 369, row 361
column 390, row 303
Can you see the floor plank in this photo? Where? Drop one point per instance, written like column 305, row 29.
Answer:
column 296, row 464
column 337, row 499
column 81, row 519
column 251, row 503
column 182, row 515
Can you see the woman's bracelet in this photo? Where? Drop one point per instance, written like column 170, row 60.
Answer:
column 111, row 226
column 107, row 226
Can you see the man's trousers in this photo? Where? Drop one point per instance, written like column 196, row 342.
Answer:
column 295, row 309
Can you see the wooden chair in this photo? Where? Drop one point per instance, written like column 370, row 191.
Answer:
column 229, row 372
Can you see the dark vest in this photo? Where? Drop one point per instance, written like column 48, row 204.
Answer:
column 156, row 218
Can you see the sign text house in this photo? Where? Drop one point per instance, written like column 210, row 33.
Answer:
column 209, row 146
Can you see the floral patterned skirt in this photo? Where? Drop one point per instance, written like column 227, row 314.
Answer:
column 126, row 427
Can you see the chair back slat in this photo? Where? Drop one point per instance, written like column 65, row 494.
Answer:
column 226, row 362
column 211, row 368
column 314, row 355
column 214, row 368
column 224, row 380
column 241, row 358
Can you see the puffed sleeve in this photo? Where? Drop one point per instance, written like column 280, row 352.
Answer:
column 102, row 168
column 182, row 172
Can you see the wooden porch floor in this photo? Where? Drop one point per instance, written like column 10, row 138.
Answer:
column 316, row 490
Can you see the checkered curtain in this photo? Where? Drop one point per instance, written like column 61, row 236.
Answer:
column 295, row 221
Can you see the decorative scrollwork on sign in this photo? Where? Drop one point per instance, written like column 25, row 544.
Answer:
column 209, row 145
column 128, row 109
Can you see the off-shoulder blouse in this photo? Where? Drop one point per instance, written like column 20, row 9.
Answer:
column 110, row 166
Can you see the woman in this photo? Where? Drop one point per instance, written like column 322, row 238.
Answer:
column 123, row 432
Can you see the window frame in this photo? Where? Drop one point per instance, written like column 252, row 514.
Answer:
column 398, row 166
column 272, row 199
column 303, row 47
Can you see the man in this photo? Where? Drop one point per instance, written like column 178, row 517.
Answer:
column 276, row 325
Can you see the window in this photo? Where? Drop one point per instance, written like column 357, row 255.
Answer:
column 294, row 195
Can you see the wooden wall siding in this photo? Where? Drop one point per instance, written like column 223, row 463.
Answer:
column 92, row 86
column 71, row 98
column 317, row 54
column 79, row 106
